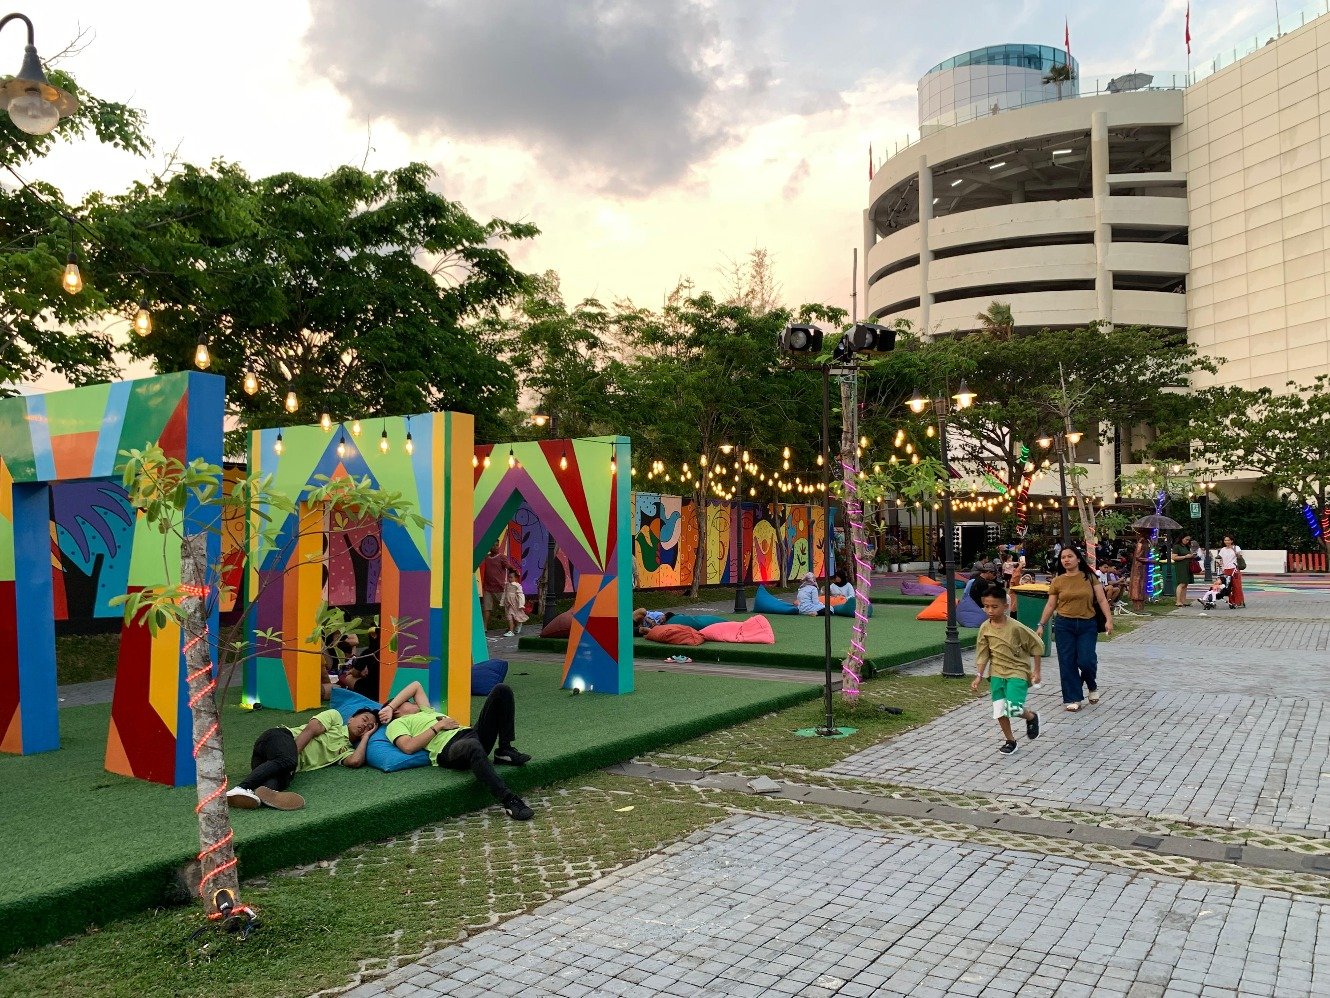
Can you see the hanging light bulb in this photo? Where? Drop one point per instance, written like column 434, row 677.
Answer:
column 512, row 458
column 341, row 445
column 563, row 461
column 485, row 461
column 72, row 280
column 251, row 383
column 819, row 460
column 614, row 466
column 278, row 446
column 863, row 441
column 325, row 422
column 785, row 465
column 410, row 444
column 383, row 441
column 475, row 461
column 202, row 359
column 143, row 319
column 929, row 431
column 355, row 427
column 785, row 453
column 292, row 403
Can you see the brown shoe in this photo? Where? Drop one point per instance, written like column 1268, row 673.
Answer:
column 280, row 800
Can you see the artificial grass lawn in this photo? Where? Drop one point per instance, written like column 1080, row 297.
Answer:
column 894, row 638
column 79, row 845
column 400, row 898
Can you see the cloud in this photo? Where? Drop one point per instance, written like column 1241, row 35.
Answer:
column 622, row 94
column 795, row 184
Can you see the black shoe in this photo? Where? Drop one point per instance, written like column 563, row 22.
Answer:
column 517, row 809
column 511, row 757
column 1032, row 727
column 1008, row 748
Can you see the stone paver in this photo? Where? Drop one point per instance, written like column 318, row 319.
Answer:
column 884, row 914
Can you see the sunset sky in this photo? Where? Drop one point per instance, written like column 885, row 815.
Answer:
column 648, row 140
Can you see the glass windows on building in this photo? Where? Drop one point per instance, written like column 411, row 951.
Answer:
column 989, row 80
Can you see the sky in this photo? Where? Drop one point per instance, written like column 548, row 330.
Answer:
column 649, row 140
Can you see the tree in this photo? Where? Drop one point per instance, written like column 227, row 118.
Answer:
column 1283, row 438
column 184, row 503
column 316, row 285
column 42, row 328
column 1058, row 75
column 997, row 320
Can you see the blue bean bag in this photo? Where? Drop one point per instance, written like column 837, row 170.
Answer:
column 379, row 753
column 968, row 612
column 697, row 621
column 764, row 602
column 347, row 702
column 487, row 675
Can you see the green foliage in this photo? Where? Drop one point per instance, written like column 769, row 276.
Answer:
column 316, row 285
column 1256, row 522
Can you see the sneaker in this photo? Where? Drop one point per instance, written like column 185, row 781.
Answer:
column 1009, row 748
column 240, row 797
column 517, row 809
column 511, row 757
column 280, row 800
column 509, row 634
column 1032, row 727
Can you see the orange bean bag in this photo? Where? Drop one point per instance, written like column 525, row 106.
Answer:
column 674, row 634
column 937, row 610
column 926, row 581
column 756, row 630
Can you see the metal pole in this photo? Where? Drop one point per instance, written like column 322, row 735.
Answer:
column 1209, row 562
column 828, row 728
column 547, row 597
column 952, row 668
column 740, row 597
column 1062, row 491
column 930, row 539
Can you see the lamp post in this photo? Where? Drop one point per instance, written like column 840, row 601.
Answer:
column 1065, row 438
column 33, row 104
column 740, row 597
column 952, row 667
column 546, row 597
column 1206, row 487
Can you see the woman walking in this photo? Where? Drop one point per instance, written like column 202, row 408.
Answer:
column 1140, row 565
column 1181, row 557
column 1072, row 596
column 1229, row 557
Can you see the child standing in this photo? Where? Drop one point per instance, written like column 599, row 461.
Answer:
column 513, row 601
column 1005, row 647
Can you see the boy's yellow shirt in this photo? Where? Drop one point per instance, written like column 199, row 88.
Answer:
column 1008, row 649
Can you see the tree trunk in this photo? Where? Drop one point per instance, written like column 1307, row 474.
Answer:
column 216, row 854
column 700, row 511
column 1084, row 512
column 859, row 568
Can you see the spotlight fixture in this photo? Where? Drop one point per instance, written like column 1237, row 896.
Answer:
column 800, row 338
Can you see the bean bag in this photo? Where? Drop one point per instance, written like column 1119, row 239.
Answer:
column 696, row 621
column 971, row 616
column 764, row 602
column 383, row 754
column 487, row 675
column 347, row 702
column 909, row 588
column 674, row 634
column 845, row 608
column 925, row 580
column 756, row 630
column 560, row 627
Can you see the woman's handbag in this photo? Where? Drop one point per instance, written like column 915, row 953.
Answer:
column 1242, row 563
column 1100, row 621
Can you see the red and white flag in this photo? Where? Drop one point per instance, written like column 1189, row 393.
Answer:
column 1066, row 38
column 870, row 161
column 1189, row 28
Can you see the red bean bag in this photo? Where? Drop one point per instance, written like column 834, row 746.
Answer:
column 560, row 627
column 756, row 630
column 674, row 634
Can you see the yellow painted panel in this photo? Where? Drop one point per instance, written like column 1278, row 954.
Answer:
column 457, row 564
column 164, row 675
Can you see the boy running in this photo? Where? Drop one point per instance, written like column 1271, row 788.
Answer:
column 1005, row 647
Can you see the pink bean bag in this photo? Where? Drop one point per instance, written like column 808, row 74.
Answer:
column 674, row 634
column 560, row 627
column 756, row 630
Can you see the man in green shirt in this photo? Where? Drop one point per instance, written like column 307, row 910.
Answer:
column 280, row 753
column 452, row 746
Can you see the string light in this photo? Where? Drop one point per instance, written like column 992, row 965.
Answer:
column 512, row 458
column 278, row 446
column 143, row 318
column 202, row 359
column 355, row 428
column 292, row 403
column 72, row 280
column 383, row 441
column 475, row 461
column 614, row 466
column 563, row 461
column 341, row 445
column 410, row 444
column 251, row 383
column 325, row 422
column 485, row 461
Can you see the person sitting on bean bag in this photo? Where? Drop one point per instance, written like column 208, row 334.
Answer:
column 644, row 620
column 810, row 604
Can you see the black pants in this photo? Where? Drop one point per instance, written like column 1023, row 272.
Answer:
column 273, row 762
column 470, row 748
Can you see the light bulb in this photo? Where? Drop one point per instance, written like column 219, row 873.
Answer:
column 383, row 442
column 563, row 462
column 251, row 383
column 341, row 446
column 72, row 281
column 410, row 444
column 143, row 319
column 292, row 403
column 819, row 460
column 32, row 113
column 202, row 359
column 785, row 453
column 486, row 462
column 278, row 446
column 325, row 422
column 475, row 461
column 355, row 428
column 512, row 460
column 614, row 466
column 863, row 441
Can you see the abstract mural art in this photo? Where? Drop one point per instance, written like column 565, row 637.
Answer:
column 577, row 490
column 420, row 577
column 76, row 437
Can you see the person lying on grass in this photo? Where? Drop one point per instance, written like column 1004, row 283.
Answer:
column 452, row 746
column 280, row 753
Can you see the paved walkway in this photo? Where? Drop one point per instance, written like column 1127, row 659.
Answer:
column 1219, row 718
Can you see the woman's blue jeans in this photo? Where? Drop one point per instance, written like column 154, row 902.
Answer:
column 1078, row 659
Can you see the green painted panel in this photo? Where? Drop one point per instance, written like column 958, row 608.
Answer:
column 151, row 403
column 82, row 411
column 16, row 440
column 272, row 688
column 150, row 555
column 405, row 676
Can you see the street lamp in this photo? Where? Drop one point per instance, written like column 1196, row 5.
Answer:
column 740, row 597
column 34, row 105
column 1064, row 440
column 1207, row 487
column 546, row 597
column 952, row 667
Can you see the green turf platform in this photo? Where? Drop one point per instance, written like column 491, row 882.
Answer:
column 890, row 598
column 894, row 638
column 79, row 846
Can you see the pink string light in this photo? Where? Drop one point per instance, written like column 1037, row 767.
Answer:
column 852, row 667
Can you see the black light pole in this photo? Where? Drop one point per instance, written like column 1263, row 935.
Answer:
column 1205, row 519
column 1062, row 440
column 740, row 597
column 547, row 598
column 829, row 728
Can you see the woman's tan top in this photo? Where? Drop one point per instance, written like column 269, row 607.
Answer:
column 1075, row 596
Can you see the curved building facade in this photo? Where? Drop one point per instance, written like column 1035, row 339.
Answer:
column 989, row 80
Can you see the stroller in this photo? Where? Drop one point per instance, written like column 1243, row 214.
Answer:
column 1220, row 589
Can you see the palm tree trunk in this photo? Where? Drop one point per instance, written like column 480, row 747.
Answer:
column 217, row 860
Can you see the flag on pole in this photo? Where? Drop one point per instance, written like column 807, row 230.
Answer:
column 1066, row 38
column 1189, row 27
column 870, row 161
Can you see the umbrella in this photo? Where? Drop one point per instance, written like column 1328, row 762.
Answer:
column 1155, row 522
column 1131, row 81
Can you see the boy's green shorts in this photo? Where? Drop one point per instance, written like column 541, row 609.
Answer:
column 1008, row 696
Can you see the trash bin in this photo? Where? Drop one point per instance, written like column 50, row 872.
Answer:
column 1031, row 598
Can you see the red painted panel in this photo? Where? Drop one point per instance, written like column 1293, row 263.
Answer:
column 8, row 670
column 149, row 746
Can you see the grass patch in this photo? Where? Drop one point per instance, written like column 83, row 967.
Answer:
column 125, row 839
column 395, row 900
column 85, row 658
